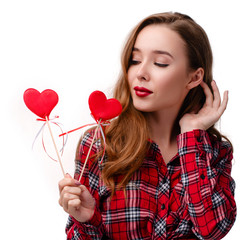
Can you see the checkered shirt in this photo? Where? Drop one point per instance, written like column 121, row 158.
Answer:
column 192, row 197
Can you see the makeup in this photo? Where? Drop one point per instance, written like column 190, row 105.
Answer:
column 142, row 92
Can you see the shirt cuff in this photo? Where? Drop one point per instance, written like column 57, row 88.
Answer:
column 193, row 141
column 95, row 221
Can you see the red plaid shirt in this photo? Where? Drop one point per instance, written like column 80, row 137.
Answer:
column 192, row 197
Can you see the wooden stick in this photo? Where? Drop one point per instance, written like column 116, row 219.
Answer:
column 55, row 146
column 95, row 134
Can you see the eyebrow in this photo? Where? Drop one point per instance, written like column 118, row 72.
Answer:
column 155, row 51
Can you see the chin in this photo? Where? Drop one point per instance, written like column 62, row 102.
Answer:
column 142, row 108
column 146, row 106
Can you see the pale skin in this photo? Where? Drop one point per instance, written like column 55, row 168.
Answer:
column 74, row 197
column 211, row 112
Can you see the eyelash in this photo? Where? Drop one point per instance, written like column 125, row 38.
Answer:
column 134, row 62
column 161, row 64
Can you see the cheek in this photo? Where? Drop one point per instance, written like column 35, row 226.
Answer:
column 130, row 79
column 172, row 85
column 168, row 82
column 130, row 74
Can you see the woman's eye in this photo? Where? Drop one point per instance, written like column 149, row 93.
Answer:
column 161, row 64
column 134, row 62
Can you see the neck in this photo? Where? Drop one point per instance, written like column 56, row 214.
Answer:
column 163, row 127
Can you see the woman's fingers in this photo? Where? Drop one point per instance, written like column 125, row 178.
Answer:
column 67, row 181
column 209, row 114
column 74, row 205
column 68, row 195
column 223, row 106
column 69, row 201
column 86, row 197
column 216, row 94
column 75, row 199
column 69, row 190
column 208, row 94
column 214, row 99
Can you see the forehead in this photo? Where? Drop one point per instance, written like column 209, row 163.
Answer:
column 160, row 37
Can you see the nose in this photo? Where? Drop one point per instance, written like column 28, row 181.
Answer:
column 143, row 72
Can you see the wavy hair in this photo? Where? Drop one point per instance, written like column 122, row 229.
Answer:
column 127, row 136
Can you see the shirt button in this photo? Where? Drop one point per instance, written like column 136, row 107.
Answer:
column 163, row 206
column 164, row 180
column 199, row 139
column 202, row 176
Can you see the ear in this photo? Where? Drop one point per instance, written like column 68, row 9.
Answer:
column 195, row 78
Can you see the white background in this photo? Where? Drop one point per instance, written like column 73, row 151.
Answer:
column 74, row 48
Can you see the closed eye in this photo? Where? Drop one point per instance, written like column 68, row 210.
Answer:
column 161, row 64
column 134, row 62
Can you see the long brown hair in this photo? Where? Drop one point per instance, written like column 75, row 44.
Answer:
column 127, row 136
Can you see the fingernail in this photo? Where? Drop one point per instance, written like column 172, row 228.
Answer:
column 68, row 175
column 77, row 183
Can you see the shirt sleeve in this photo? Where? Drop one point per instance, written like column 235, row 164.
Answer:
column 94, row 228
column 209, row 187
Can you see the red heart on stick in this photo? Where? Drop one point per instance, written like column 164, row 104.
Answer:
column 40, row 103
column 103, row 108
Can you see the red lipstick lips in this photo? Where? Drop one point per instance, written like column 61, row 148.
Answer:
column 142, row 92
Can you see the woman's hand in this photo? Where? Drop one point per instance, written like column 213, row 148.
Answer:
column 209, row 114
column 75, row 199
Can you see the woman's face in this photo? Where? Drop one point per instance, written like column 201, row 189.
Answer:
column 158, row 74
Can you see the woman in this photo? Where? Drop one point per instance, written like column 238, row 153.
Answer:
column 166, row 171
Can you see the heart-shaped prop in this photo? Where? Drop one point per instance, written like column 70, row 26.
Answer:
column 40, row 103
column 102, row 108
